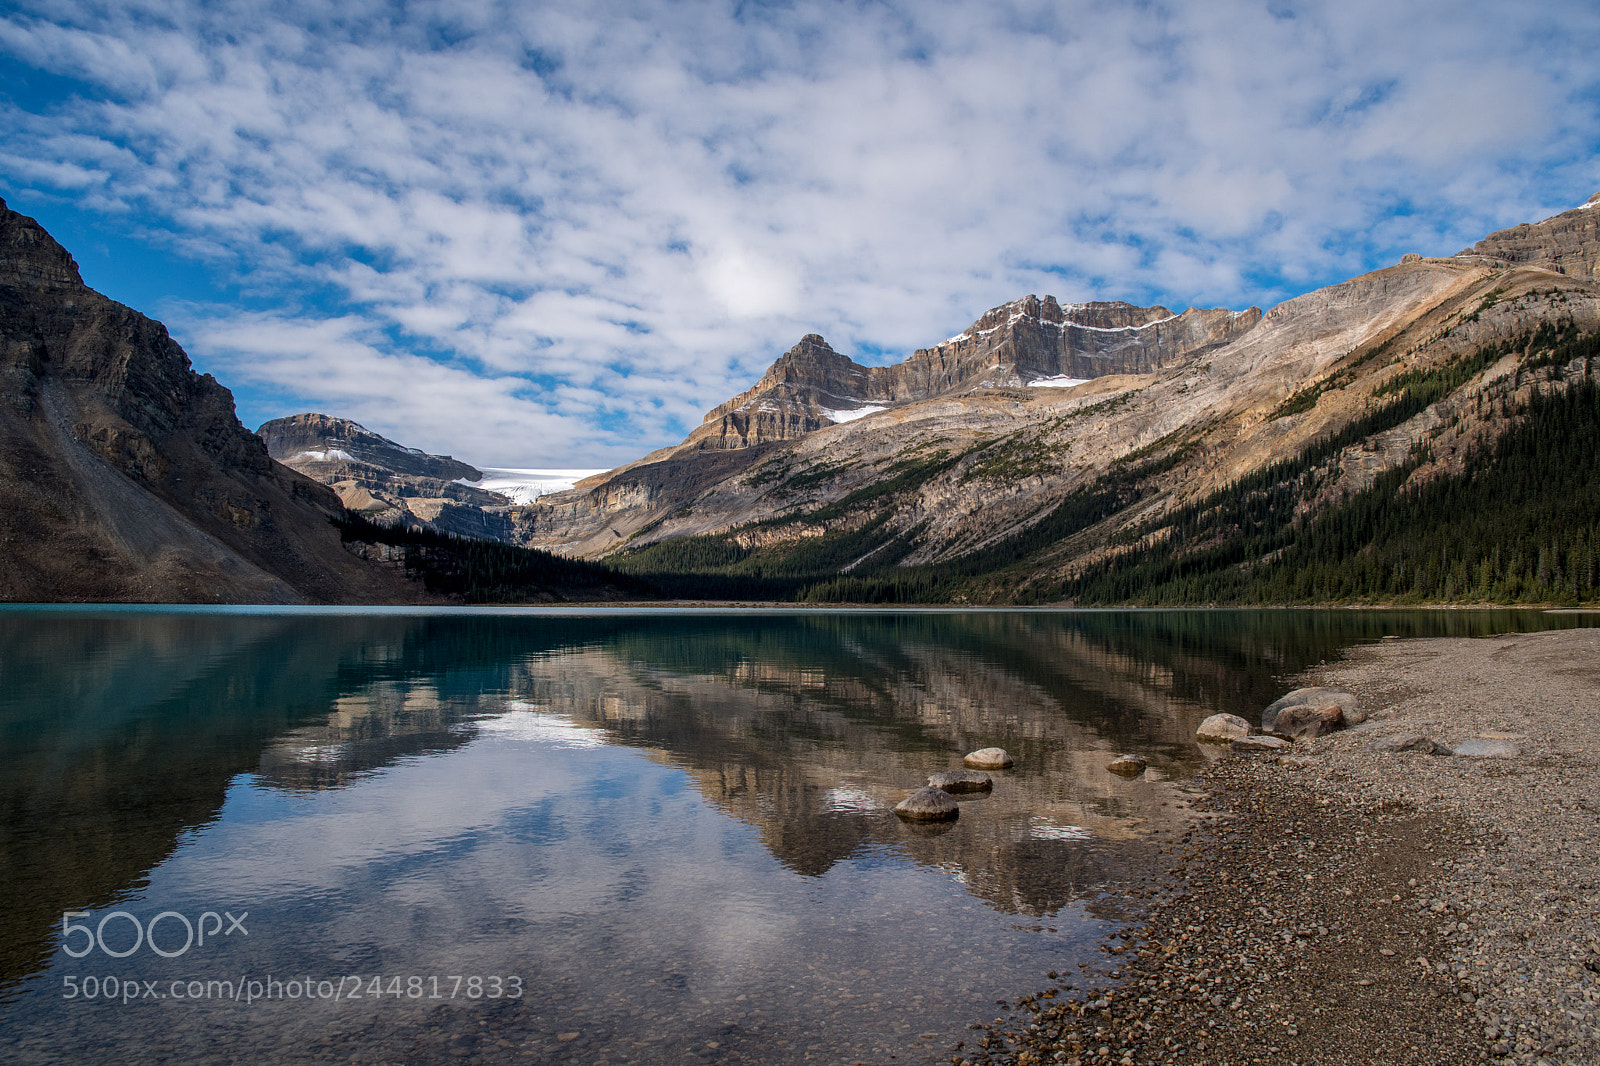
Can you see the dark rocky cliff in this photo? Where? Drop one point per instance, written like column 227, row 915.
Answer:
column 126, row 476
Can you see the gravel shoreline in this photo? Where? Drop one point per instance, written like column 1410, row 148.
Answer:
column 1341, row 905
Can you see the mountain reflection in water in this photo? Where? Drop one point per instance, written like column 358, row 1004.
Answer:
column 156, row 756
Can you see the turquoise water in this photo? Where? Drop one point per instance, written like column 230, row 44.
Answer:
column 585, row 836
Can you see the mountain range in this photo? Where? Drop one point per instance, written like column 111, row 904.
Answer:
column 1051, row 452
column 1049, row 439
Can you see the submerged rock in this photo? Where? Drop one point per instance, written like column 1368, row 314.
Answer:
column 928, row 805
column 1221, row 728
column 1315, row 698
column 961, row 781
column 1408, row 742
column 988, row 759
column 1127, row 766
column 1262, row 743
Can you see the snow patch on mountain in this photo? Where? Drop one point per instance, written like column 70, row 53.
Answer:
column 525, row 486
column 1059, row 381
column 851, row 416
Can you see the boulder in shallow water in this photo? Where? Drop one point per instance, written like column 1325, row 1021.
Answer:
column 1262, row 744
column 928, row 805
column 1314, row 698
column 1221, row 728
column 1399, row 742
column 1488, row 748
column 988, row 759
column 1127, row 766
column 961, row 781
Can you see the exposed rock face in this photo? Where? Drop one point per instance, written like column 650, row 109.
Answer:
column 791, row 399
column 1568, row 243
column 126, row 476
column 1029, row 339
column 583, row 521
column 811, row 386
column 385, row 481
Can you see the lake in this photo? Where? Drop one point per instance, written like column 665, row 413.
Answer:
column 598, row 836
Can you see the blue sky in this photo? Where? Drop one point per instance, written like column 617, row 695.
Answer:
column 555, row 234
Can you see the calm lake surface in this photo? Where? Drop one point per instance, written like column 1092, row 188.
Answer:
column 239, row 835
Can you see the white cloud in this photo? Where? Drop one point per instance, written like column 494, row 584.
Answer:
column 556, row 234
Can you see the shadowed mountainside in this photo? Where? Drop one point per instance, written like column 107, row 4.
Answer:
column 124, row 475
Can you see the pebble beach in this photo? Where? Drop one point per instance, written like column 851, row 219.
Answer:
column 1341, row 902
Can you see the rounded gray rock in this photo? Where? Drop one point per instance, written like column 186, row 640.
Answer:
column 987, row 759
column 1127, row 766
column 1221, row 728
column 1314, row 697
column 928, row 805
column 961, row 781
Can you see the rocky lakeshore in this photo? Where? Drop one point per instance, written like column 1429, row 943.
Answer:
column 1343, row 903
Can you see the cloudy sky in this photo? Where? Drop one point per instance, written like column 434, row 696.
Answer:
column 554, row 234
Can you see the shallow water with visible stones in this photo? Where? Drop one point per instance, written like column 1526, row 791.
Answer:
column 593, row 836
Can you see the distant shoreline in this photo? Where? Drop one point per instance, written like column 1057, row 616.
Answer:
column 709, row 606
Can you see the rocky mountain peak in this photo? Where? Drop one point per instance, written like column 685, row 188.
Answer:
column 1108, row 314
column 31, row 257
column 385, row 481
column 1031, row 339
column 1568, row 243
column 812, row 362
column 811, row 386
column 301, row 440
